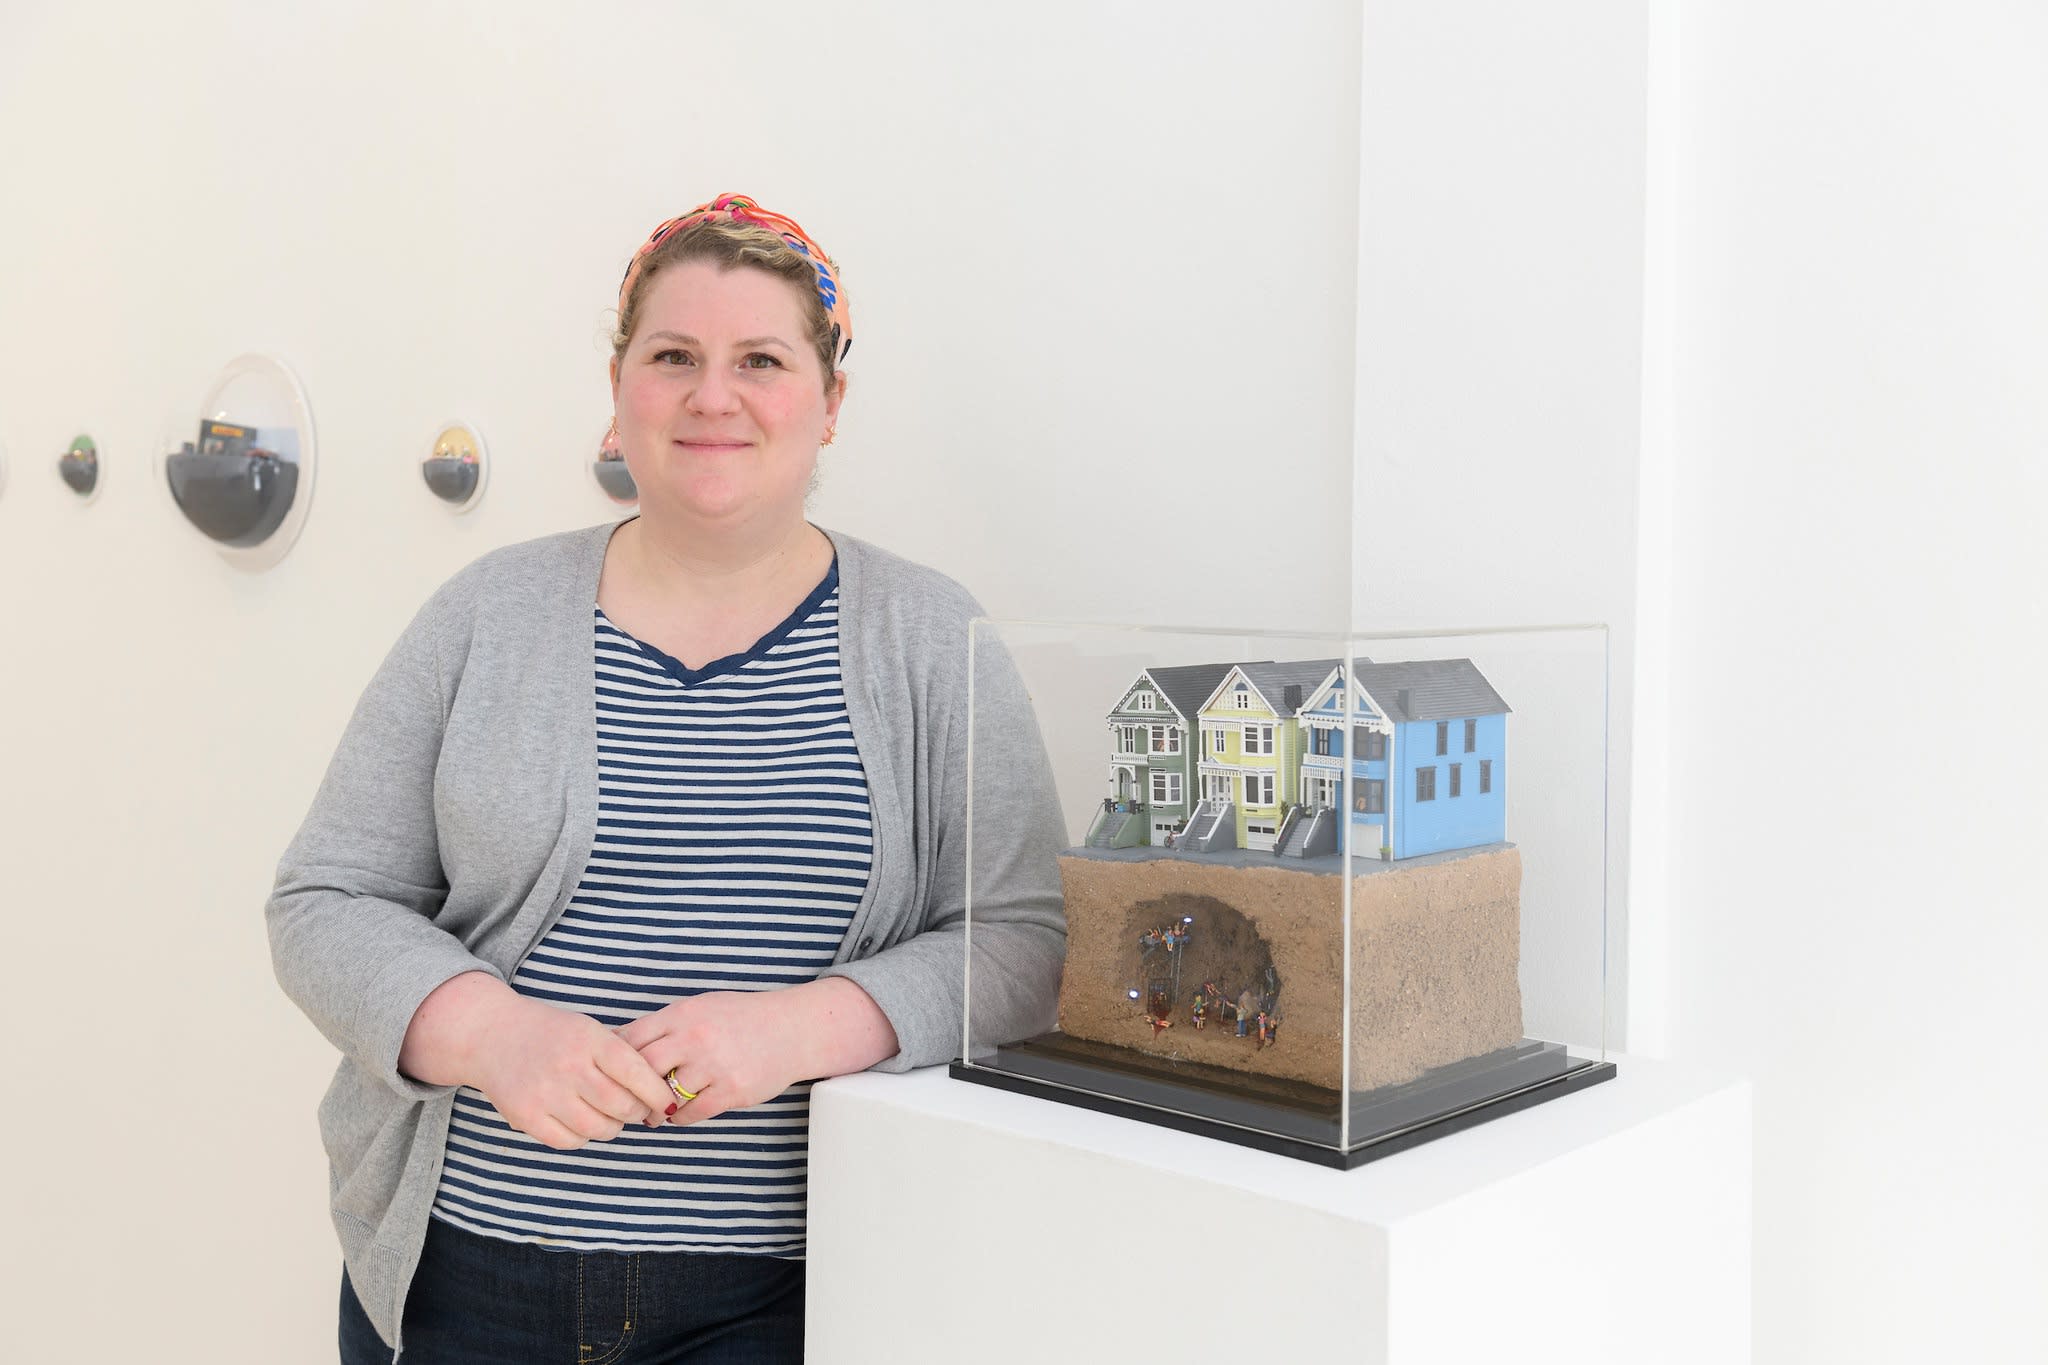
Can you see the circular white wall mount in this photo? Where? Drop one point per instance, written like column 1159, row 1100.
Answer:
column 609, row 469
column 241, row 470
column 82, row 469
column 457, row 468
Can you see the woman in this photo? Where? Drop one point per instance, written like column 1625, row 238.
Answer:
column 637, row 831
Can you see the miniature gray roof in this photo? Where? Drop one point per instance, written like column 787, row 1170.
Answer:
column 1272, row 680
column 1438, row 689
column 1187, row 686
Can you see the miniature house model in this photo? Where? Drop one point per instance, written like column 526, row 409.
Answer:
column 1294, row 915
column 1284, row 758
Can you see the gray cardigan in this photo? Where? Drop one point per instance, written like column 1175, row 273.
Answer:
column 459, row 810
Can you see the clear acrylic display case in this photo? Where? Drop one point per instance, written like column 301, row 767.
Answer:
column 1326, row 895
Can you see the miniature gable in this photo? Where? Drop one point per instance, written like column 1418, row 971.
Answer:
column 1141, row 700
column 1327, row 703
column 1237, row 696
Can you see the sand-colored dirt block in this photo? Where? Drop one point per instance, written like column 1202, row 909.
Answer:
column 1435, row 951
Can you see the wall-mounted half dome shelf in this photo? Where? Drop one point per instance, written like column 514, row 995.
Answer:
column 243, row 477
column 80, row 468
column 456, row 469
column 610, row 469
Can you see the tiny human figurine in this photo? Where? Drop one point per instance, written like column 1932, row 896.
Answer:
column 1247, row 1010
column 1159, row 1022
column 1198, row 1013
column 1266, row 1022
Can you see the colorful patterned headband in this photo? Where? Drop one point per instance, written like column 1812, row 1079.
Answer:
column 738, row 208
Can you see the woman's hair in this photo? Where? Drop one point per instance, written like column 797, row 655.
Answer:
column 733, row 246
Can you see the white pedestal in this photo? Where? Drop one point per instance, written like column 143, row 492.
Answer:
column 955, row 1223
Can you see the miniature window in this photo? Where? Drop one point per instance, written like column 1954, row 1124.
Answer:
column 1258, row 789
column 1425, row 783
column 1242, row 698
column 1258, row 739
column 1367, row 743
column 1144, row 701
column 1165, row 787
column 1374, row 796
column 1165, row 739
column 1471, row 735
column 1321, row 741
column 1216, row 742
column 1443, row 737
column 1127, row 739
column 1457, row 779
column 1485, row 776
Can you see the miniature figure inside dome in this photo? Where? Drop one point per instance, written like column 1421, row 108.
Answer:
column 594, row 890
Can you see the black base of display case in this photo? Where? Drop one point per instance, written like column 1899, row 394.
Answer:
column 1288, row 1118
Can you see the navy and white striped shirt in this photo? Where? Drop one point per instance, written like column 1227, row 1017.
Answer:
column 733, row 846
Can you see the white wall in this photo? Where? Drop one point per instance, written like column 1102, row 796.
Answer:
column 1101, row 265
column 1858, row 647
column 1500, row 336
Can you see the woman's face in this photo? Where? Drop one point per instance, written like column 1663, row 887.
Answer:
column 720, row 399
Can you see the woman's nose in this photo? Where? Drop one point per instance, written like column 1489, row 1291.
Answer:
column 713, row 392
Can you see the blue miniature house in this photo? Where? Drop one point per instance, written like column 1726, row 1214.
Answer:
column 1423, row 768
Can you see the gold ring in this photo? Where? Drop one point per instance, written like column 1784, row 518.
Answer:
column 684, row 1095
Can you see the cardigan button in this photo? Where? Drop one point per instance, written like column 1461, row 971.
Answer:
column 866, row 941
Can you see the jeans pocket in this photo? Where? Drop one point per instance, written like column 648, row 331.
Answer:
column 607, row 1306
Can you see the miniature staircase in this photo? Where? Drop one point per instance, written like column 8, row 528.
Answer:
column 1208, row 829
column 1311, row 836
column 1293, row 834
column 1108, row 827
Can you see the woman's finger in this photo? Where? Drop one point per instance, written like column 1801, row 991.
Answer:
column 610, row 1098
column 588, row 1121
column 638, row 1033
column 624, row 1064
column 550, row 1132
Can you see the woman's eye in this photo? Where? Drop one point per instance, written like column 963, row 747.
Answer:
column 759, row 361
column 672, row 357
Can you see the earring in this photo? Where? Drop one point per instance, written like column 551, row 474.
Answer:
column 830, row 434
column 613, row 430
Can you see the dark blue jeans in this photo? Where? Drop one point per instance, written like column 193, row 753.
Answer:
column 480, row 1301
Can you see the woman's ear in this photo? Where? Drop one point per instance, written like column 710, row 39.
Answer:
column 834, row 396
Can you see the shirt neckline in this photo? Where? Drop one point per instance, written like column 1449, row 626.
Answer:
column 689, row 677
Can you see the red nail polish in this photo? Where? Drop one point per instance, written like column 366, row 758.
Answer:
column 671, row 1110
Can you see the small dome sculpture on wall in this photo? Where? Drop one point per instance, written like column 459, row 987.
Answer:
column 79, row 467
column 456, row 470
column 244, row 478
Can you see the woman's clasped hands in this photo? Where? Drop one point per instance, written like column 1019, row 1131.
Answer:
column 567, row 1080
